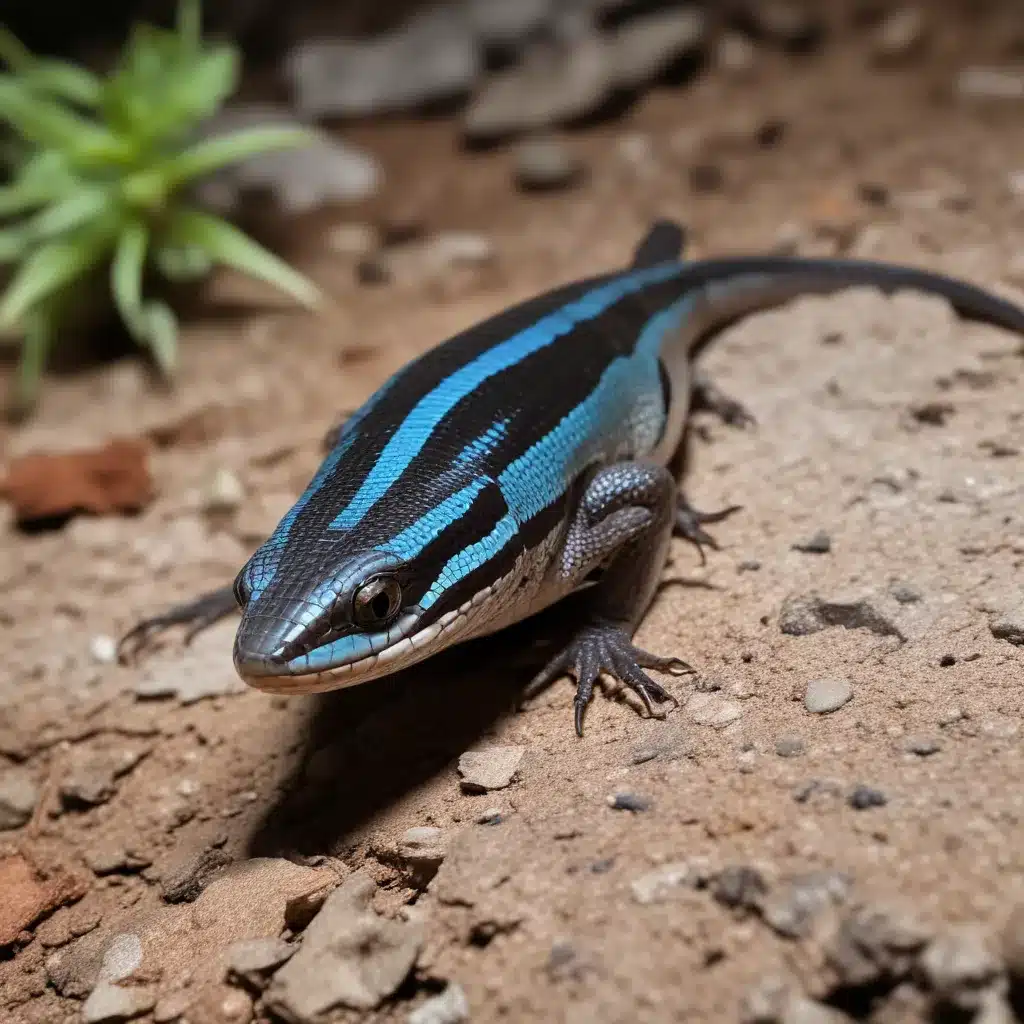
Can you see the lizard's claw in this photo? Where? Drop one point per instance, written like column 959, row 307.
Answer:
column 606, row 648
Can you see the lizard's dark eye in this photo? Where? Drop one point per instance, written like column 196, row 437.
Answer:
column 377, row 602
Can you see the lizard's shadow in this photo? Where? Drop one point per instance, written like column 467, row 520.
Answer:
column 362, row 748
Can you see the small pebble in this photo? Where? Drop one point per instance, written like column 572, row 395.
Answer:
column 629, row 802
column 959, row 965
column 657, row 885
column 819, row 544
column 905, row 593
column 750, row 565
column 987, row 83
column 450, row 1007
column 492, row 816
column 545, row 164
column 864, row 797
column 901, row 35
column 923, row 746
column 19, row 794
column 353, row 239
column 947, row 661
column 739, row 887
column 735, row 54
column 103, row 649
column 489, row 768
column 790, row 746
column 825, row 695
column 1009, row 626
column 224, row 493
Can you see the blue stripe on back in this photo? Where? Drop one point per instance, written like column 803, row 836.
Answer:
column 612, row 413
column 406, row 443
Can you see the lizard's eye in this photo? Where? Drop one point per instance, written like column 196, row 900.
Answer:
column 377, row 602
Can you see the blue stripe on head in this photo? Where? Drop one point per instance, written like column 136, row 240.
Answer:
column 406, row 443
column 263, row 565
column 413, row 539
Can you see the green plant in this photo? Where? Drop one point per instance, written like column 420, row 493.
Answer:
column 99, row 171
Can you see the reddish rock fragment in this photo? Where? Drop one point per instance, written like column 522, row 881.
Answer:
column 101, row 481
column 31, row 890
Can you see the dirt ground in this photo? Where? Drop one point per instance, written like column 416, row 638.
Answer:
column 763, row 835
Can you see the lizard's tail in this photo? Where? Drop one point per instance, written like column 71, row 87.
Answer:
column 726, row 290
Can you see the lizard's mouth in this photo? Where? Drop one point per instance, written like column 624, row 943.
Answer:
column 346, row 661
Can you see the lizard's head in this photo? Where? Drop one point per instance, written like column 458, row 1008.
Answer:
column 362, row 619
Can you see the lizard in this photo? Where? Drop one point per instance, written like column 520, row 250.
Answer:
column 523, row 460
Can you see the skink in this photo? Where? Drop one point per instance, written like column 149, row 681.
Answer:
column 520, row 461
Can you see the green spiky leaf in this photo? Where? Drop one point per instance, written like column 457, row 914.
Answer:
column 212, row 154
column 225, row 244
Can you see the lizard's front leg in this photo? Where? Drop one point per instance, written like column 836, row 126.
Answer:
column 624, row 524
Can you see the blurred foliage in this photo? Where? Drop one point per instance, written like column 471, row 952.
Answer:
column 99, row 174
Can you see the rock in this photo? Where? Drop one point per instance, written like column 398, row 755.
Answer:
column 790, row 745
column 923, row 746
column 792, row 910
column 993, row 1008
column 826, row 695
column 553, row 85
column 424, row 260
column 801, row 1010
column 102, row 481
column 502, row 25
column 905, row 593
column 434, row 57
column 19, row 795
column 92, row 774
column 864, row 797
column 172, row 1008
column 544, row 164
column 1010, row 626
column 789, row 23
column 103, row 649
column 184, row 880
column 818, row 544
column 634, row 802
column 1013, row 942
column 804, row 614
column 901, row 35
column 959, row 965
column 450, row 1007
column 252, row 960
column 108, row 856
column 714, row 711
column 766, row 1002
column 421, row 852
column 111, row 1004
column 350, row 957
column 739, row 887
column 489, row 769
column 194, row 673
column 33, row 886
column 644, row 48
column 224, row 492
column 300, row 179
column 985, row 83
column 735, row 54
column 657, row 885
column 876, row 944
column 301, row 909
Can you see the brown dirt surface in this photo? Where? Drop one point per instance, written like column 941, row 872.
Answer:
column 888, row 424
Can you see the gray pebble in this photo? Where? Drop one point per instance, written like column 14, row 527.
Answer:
column 645, row 47
column 735, row 54
column 103, row 649
column 450, row 1007
column 875, row 942
column 790, row 23
column 749, row 565
column 545, row 164
column 629, row 802
column 739, row 887
column 490, row 768
column 905, row 593
column 1013, row 942
column 1010, row 625
column 791, row 910
column 959, row 965
column 901, row 34
column 18, row 797
column 790, row 746
column 825, row 695
column 112, row 1004
column 657, row 885
column 224, row 492
column 923, row 746
column 818, row 544
column 421, row 851
column 252, row 960
column 988, row 83
column 864, row 797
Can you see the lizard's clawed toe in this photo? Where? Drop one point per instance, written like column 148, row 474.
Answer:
column 606, row 648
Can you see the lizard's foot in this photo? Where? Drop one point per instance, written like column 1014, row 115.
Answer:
column 606, row 648
column 689, row 524
column 197, row 615
column 709, row 397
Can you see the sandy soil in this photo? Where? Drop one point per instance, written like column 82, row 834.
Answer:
column 537, row 916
